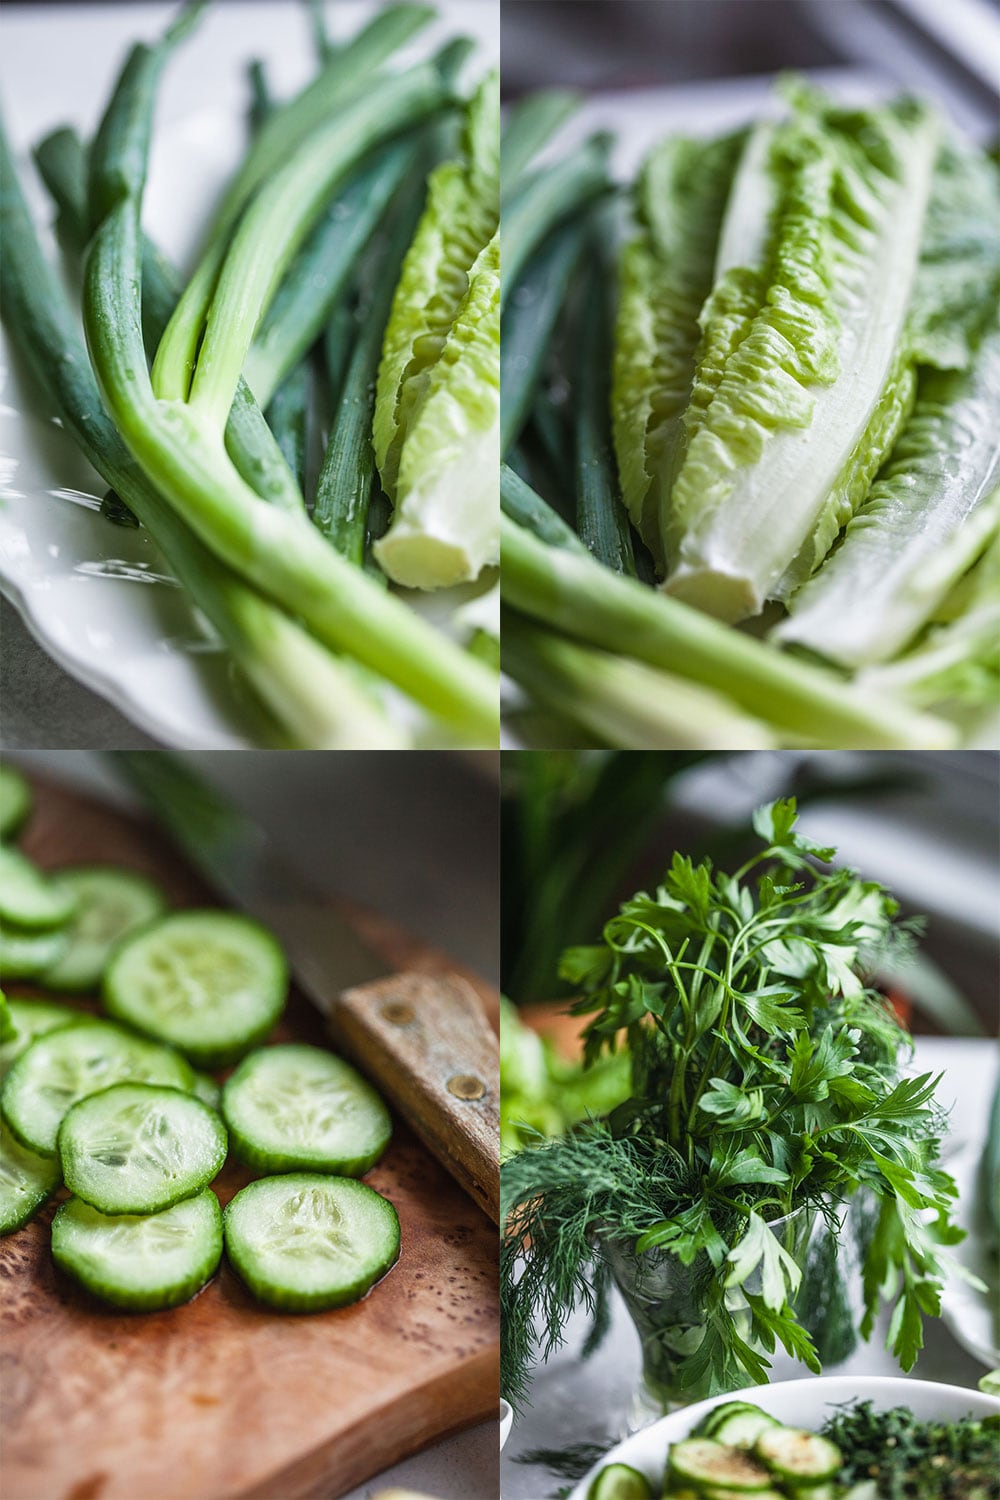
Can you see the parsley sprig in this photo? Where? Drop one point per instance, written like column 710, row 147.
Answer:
column 766, row 1076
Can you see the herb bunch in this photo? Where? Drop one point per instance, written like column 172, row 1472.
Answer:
column 766, row 1077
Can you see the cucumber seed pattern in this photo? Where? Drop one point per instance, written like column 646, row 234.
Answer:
column 137, row 1149
column 304, row 1106
column 293, row 1105
column 184, row 978
column 140, row 1138
column 70, row 1064
column 310, row 1227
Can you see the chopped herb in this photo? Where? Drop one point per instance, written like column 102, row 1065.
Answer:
column 910, row 1459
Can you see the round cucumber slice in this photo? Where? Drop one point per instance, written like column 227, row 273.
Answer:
column 137, row 1148
column 620, row 1482
column 15, row 801
column 798, row 1457
column 28, row 897
column 294, row 1107
column 110, row 903
column 708, row 1464
column 741, row 1429
column 714, row 1494
column 26, row 955
column 26, row 1181
column 306, row 1242
column 33, row 1018
column 709, row 1425
column 140, row 1262
column 66, row 1065
column 209, row 982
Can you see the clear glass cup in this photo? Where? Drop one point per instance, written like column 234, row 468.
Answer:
column 665, row 1300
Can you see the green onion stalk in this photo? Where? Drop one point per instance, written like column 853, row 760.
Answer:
column 314, row 699
column 571, row 592
column 175, row 431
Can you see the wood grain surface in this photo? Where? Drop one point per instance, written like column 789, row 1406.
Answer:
column 429, row 1045
column 222, row 1399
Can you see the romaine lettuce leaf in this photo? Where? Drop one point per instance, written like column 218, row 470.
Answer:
column 956, row 663
column 446, row 526
column 958, row 279
column 665, row 275
column 800, row 387
column 927, row 517
column 440, row 367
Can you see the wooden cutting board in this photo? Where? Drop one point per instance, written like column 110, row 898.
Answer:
column 223, row 1399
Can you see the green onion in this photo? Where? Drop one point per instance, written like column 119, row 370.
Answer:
column 347, row 73
column 548, row 196
column 523, row 505
column 344, row 489
column 179, row 446
column 623, row 703
column 575, row 594
column 528, row 324
column 528, row 127
column 601, row 518
column 62, row 161
column 308, row 691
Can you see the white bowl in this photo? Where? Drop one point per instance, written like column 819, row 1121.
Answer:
column 799, row 1403
column 506, row 1422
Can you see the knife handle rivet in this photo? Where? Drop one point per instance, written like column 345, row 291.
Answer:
column 398, row 1013
column 466, row 1086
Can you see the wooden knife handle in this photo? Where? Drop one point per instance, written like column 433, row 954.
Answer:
column 428, row 1046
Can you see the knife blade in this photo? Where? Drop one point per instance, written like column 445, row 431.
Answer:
column 423, row 1039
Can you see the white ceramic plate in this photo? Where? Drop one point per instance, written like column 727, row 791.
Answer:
column 98, row 597
column 971, row 1314
column 799, row 1403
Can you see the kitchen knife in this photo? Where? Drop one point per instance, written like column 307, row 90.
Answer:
column 423, row 1039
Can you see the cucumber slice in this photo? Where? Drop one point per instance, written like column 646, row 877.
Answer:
column 306, row 1242
column 65, row 1066
column 294, row 1107
column 798, row 1457
column 708, row 1426
column 26, row 1181
column 15, row 801
column 140, row 1262
column 741, row 1429
column 8, row 1031
column 110, row 903
column 727, row 1494
column 620, row 1482
column 137, row 1148
column 33, row 1018
column 704, row 1462
column 26, row 955
column 28, row 897
column 209, row 982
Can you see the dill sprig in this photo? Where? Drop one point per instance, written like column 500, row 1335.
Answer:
column 766, row 1078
